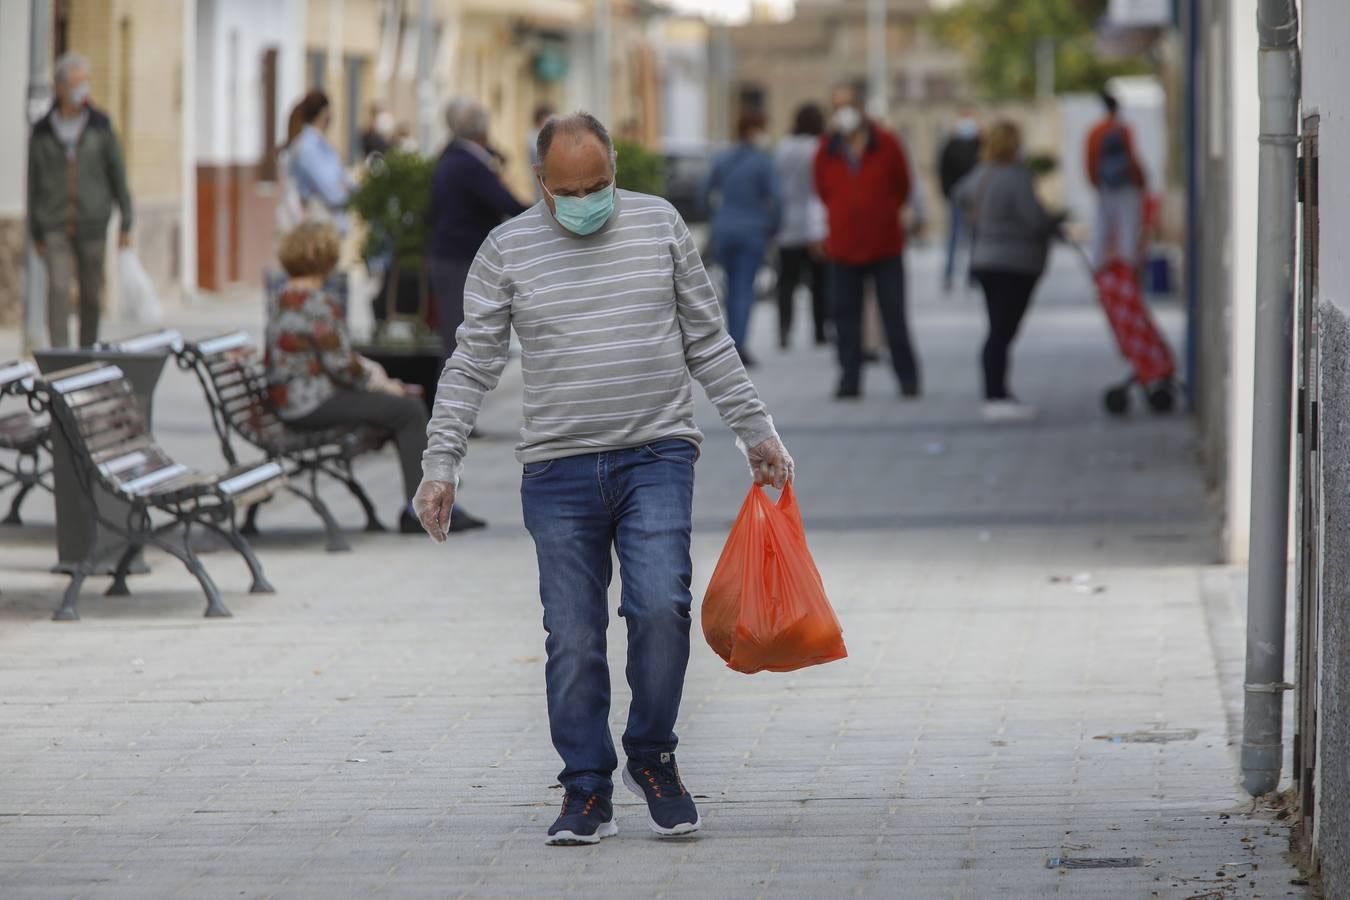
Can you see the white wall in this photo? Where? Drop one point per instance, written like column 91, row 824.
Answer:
column 231, row 38
column 686, row 92
column 13, row 107
column 1244, row 129
column 1326, row 62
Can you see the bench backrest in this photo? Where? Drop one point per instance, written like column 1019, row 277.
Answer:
column 17, row 377
column 104, row 423
column 234, row 377
column 167, row 339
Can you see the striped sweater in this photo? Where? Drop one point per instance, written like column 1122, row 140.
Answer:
column 611, row 326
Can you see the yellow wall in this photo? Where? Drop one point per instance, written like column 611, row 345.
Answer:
column 135, row 60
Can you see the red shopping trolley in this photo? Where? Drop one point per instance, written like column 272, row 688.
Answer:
column 1137, row 335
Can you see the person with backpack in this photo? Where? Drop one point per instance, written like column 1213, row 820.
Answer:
column 1114, row 170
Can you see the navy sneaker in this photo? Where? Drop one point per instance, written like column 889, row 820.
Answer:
column 670, row 806
column 584, row 819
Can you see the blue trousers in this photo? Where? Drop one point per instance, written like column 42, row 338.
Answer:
column 580, row 510
column 740, row 258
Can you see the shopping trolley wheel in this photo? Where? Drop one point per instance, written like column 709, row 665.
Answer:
column 1161, row 397
column 1117, row 400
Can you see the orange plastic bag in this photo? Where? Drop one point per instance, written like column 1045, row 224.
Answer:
column 765, row 607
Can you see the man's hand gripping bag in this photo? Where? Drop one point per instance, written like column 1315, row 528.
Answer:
column 765, row 607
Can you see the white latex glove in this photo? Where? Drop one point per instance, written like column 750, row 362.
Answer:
column 771, row 464
column 432, row 505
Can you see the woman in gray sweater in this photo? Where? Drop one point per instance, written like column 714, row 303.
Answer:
column 1011, row 234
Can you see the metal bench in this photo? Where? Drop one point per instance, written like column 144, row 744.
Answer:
column 166, row 339
column 26, row 434
column 234, row 379
column 100, row 417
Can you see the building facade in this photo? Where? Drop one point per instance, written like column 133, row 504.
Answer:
column 13, row 157
column 1322, row 556
column 200, row 92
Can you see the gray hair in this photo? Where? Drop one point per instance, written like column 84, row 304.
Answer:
column 577, row 125
column 68, row 63
column 467, row 119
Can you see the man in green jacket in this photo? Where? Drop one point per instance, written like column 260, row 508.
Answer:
column 75, row 175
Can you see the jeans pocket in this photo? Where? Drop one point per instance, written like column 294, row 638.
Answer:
column 535, row 469
column 675, row 450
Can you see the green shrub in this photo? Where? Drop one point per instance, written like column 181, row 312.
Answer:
column 393, row 200
column 639, row 169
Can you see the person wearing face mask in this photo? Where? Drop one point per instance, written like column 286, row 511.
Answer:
column 960, row 154
column 616, row 319
column 744, row 194
column 76, row 176
column 318, row 185
column 862, row 175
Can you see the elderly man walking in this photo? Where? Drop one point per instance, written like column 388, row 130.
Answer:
column 468, row 200
column 75, row 177
column 615, row 314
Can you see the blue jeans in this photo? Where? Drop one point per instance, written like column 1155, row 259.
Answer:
column 638, row 502
column 740, row 258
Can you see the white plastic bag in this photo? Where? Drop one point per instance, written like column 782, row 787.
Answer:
column 140, row 304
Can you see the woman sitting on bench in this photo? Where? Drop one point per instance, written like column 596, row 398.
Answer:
column 318, row 382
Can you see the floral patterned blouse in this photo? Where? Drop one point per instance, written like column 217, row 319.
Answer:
column 309, row 353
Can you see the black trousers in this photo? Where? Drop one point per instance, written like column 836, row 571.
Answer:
column 1006, row 297
column 795, row 266
column 406, row 417
column 447, row 282
column 846, row 295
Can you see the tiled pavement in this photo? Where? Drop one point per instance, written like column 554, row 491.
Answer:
column 377, row 727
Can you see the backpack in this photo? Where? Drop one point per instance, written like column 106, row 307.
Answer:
column 1113, row 160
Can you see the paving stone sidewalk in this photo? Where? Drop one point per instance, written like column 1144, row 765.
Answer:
column 1034, row 673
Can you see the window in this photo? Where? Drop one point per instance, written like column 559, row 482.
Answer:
column 938, row 89
column 355, row 67
column 752, row 98
column 316, row 68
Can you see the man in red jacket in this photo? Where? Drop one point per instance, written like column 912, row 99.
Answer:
column 862, row 176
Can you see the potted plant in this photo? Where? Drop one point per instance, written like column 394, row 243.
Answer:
column 393, row 200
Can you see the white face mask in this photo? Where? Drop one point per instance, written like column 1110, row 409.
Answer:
column 847, row 119
column 385, row 124
column 79, row 94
